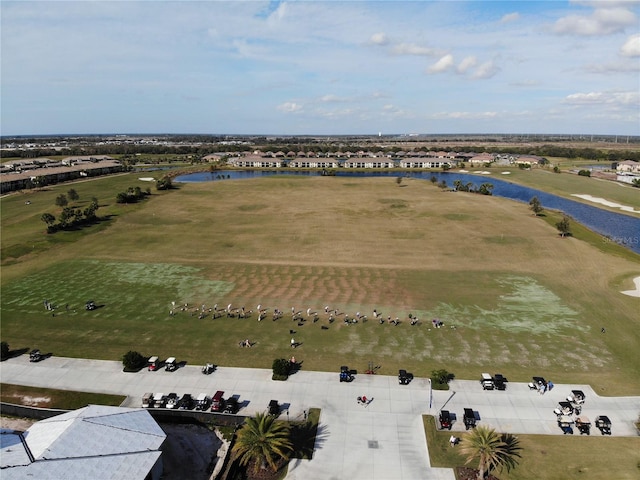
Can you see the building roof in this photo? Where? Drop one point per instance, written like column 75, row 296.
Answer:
column 96, row 442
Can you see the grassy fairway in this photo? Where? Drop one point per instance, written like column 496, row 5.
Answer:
column 521, row 299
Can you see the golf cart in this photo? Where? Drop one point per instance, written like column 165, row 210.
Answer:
column 577, row 397
column 185, row 402
column 159, row 400
column 153, row 363
column 583, row 424
column 35, row 355
column 487, row 381
column 565, row 408
column 500, row 382
column 538, row 384
column 603, row 424
column 202, row 402
column 445, row 419
column 469, row 418
column 345, row 374
column 147, row 400
column 90, row 305
column 274, row 408
column 565, row 422
column 172, row 400
column 404, row 378
column 170, row 365
column 231, row 405
column 208, row 368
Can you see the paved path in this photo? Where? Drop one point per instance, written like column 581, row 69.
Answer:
column 380, row 441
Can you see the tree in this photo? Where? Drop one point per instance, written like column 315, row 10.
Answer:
column 263, row 440
column 281, row 369
column 486, row 189
column 133, row 360
column 398, row 180
column 440, row 378
column 73, row 195
column 490, row 449
column 48, row 219
column 4, row 350
column 61, row 200
column 164, row 183
column 535, row 206
column 564, row 226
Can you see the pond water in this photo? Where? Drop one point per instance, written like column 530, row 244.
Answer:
column 615, row 227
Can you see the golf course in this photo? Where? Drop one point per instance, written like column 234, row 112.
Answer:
column 513, row 296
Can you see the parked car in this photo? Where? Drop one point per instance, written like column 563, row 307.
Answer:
column 445, row 419
column 186, row 402
column 172, row 400
column 170, row 365
column 487, row 381
column 202, row 402
column 345, row 374
column 153, row 363
column 603, row 424
column 35, row 355
column 231, row 405
column 274, row 408
column 404, row 377
column 217, row 401
column 500, row 382
column 469, row 418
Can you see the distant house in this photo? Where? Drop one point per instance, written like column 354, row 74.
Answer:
column 96, row 442
column 369, row 163
column 256, row 161
column 530, row 160
column 304, row 162
column 628, row 166
column 481, row 159
column 424, row 163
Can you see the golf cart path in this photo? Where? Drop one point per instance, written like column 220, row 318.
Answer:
column 384, row 439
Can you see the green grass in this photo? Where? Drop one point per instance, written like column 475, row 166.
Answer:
column 521, row 298
column 54, row 398
column 551, row 456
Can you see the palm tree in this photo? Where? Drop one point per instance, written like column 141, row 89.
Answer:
column 263, row 441
column 491, row 449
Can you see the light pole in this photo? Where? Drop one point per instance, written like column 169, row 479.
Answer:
column 430, row 395
column 288, row 415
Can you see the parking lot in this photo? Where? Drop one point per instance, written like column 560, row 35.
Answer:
column 380, row 439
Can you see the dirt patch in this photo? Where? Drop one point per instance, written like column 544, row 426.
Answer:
column 191, row 451
column 17, row 424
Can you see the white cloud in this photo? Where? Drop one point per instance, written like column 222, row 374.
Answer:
column 631, row 47
column 621, row 99
column 466, row 64
column 604, row 20
column 290, row 107
column 466, row 115
column 486, row 70
column 379, row 39
column 510, row 17
column 412, row 49
column 442, row 65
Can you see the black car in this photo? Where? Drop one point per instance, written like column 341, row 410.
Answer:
column 445, row 419
column 186, row 402
column 469, row 418
column 231, row 405
column 500, row 382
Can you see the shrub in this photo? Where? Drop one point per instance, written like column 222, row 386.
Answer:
column 133, row 361
column 281, row 369
column 440, row 379
column 4, row 350
column 584, row 173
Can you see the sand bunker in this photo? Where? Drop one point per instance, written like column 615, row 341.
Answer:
column 636, row 292
column 606, row 203
column 506, row 173
column 147, row 179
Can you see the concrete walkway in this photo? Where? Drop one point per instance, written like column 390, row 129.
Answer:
column 382, row 440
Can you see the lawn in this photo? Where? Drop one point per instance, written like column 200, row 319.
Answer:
column 551, row 456
column 54, row 398
column 521, row 299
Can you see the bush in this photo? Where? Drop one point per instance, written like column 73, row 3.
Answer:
column 4, row 350
column 440, row 379
column 281, row 369
column 133, row 361
column 584, row 173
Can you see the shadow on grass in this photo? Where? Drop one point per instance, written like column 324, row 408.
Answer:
column 308, row 435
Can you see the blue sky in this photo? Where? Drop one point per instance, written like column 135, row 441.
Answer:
column 312, row 67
